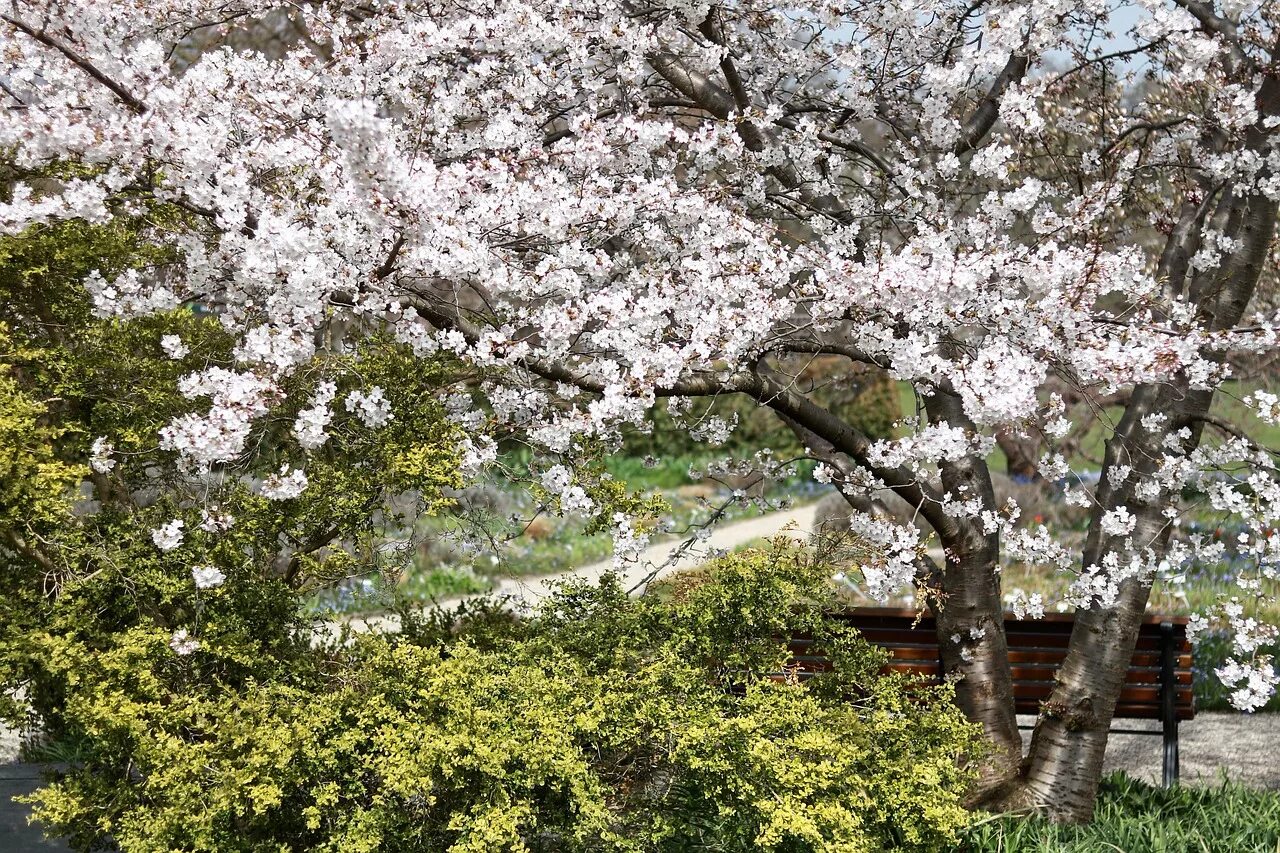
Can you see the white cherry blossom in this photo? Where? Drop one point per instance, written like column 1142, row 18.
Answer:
column 207, row 577
column 100, row 455
column 169, row 535
column 285, row 485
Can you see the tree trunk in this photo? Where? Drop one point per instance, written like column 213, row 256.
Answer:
column 1064, row 765
column 970, row 625
column 1069, row 743
column 970, row 613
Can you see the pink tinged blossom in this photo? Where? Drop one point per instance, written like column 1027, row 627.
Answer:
column 279, row 350
column 1251, row 683
column 477, row 453
column 128, row 295
column 1024, row 605
column 237, row 399
column 1266, row 405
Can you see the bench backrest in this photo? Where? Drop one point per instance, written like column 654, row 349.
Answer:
column 1037, row 648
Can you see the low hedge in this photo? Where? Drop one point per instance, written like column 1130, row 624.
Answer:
column 603, row 723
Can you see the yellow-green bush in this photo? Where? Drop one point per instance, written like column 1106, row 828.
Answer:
column 603, row 723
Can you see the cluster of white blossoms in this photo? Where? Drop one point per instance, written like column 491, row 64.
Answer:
column 100, row 455
column 174, row 347
column 277, row 349
column 895, row 566
column 207, row 577
column 183, row 643
column 1251, row 684
column 1025, row 605
column 284, row 485
column 128, row 295
column 628, row 542
column 1118, row 522
column 579, row 199
column 237, row 399
column 372, row 408
column 558, row 480
column 168, row 536
column 309, row 428
column 215, row 521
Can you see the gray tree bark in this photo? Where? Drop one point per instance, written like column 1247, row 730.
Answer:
column 1068, row 746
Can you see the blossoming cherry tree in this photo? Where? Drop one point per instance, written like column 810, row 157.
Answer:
column 1026, row 210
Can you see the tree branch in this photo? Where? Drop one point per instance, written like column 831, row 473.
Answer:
column 1203, row 12
column 984, row 117
column 80, row 61
column 25, row 548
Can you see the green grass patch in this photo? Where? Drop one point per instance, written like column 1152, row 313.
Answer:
column 1134, row 817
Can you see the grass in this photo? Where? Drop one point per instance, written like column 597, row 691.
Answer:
column 1134, row 817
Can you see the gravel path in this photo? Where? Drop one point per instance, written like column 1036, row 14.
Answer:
column 1241, row 746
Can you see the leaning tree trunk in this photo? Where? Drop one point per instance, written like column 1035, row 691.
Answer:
column 969, row 611
column 965, row 592
column 1067, row 749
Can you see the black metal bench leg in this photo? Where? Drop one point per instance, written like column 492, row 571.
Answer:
column 1168, row 704
column 1171, row 754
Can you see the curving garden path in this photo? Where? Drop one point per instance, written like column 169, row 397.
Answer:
column 656, row 561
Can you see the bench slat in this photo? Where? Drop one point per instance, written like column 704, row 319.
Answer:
column 923, row 651
column 1144, row 675
column 1015, row 637
column 1037, row 649
column 1026, row 674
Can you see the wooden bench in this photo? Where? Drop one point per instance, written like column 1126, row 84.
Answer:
column 1157, row 685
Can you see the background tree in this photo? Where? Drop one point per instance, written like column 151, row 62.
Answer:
column 607, row 203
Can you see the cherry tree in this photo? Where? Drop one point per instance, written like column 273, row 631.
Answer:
column 1027, row 210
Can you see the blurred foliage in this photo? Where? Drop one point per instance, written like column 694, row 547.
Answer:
column 866, row 399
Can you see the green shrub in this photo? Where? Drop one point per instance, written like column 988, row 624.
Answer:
column 1134, row 817
column 602, row 723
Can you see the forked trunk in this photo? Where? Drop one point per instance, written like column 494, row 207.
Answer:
column 1064, row 765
